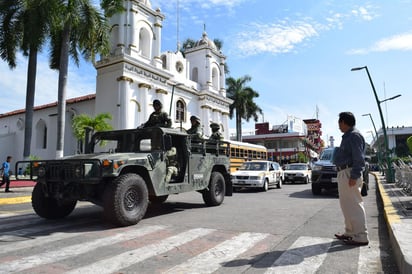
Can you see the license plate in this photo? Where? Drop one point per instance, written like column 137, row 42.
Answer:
column 240, row 182
column 334, row 180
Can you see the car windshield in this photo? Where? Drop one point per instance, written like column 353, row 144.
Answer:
column 253, row 166
column 326, row 155
column 295, row 167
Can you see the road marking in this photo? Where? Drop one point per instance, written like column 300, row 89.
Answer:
column 41, row 240
column 15, row 200
column 306, row 254
column 73, row 250
column 369, row 257
column 211, row 260
column 131, row 257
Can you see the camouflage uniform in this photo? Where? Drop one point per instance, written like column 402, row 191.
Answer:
column 195, row 130
column 158, row 118
column 216, row 135
column 171, row 164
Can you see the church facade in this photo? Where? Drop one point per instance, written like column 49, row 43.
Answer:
column 135, row 73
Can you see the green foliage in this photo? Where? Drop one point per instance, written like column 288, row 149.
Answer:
column 98, row 123
column 243, row 101
column 409, row 143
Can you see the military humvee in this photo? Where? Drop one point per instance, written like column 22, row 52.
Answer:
column 124, row 170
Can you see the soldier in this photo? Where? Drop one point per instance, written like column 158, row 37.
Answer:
column 195, row 130
column 171, row 163
column 158, row 118
column 216, row 134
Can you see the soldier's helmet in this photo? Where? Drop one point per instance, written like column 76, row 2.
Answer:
column 214, row 126
column 195, row 118
column 157, row 103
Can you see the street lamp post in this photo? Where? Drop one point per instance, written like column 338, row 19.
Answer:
column 376, row 134
column 171, row 99
column 390, row 176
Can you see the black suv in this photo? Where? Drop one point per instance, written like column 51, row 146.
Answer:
column 324, row 172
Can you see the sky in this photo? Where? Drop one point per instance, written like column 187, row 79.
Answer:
column 299, row 55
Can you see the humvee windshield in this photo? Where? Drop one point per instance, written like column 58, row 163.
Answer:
column 127, row 141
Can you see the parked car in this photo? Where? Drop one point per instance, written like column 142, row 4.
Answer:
column 258, row 174
column 298, row 172
column 324, row 172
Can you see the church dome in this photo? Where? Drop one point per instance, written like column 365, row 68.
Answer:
column 205, row 41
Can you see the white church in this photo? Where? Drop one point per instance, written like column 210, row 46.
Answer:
column 128, row 80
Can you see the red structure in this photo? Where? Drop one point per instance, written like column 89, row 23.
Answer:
column 285, row 145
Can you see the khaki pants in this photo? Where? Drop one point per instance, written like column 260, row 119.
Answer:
column 352, row 207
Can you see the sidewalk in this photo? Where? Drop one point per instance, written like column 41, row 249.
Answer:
column 17, row 183
column 398, row 214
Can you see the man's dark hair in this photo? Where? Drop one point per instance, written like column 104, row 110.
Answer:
column 348, row 118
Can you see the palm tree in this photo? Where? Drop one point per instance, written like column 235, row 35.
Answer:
column 80, row 27
column 243, row 103
column 83, row 121
column 24, row 25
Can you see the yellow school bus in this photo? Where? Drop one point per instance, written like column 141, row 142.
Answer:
column 241, row 152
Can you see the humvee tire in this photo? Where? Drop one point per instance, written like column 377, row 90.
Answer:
column 158, row 199
column 125, row 200
column 48, row 207
column 215, row 193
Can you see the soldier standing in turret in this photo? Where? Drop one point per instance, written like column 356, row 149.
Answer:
column 158, row 118
column 216, row 134
column 195, row 130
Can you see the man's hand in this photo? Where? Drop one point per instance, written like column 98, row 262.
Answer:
column 352, row 182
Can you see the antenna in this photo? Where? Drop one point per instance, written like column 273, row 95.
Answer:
column 177, row 26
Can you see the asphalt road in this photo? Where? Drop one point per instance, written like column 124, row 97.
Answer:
column 285, row 230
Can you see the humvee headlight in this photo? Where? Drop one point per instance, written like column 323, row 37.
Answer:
column 41, row 172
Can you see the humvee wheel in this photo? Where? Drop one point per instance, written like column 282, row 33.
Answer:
column 125, row 200
column 215, row 194
column 158, row 199
column 50, row 208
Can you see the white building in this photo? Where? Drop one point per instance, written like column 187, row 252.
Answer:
column 128, row 80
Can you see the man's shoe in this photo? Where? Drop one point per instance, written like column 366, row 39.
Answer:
column 8, row 191
column 342, row 237
column 352, row 242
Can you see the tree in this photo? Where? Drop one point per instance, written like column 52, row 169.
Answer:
column 243, row 104
column 190, row 43
column 79, row 26
column 83, row 121
column 409, row 143
column 24, row 25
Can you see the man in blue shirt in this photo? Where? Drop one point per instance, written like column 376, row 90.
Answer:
column 350, row 162
column 5, row 167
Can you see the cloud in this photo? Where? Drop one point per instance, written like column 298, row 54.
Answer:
column 365, row 13
column 274, row 38
column 400, row 42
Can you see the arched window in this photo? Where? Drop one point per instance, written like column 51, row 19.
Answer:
column 215, row 78
column 164, row 61
column 41, row 134
column 180, row 111
column 195, row 75
column 144, row 42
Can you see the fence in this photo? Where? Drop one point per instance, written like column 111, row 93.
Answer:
column 403, row 176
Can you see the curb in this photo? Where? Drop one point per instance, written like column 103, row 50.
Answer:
column 397, row 231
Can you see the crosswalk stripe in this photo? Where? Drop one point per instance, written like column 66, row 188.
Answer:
column 41, row 240
column 131, row 257
column 306, row 254
column 368, row 254
column 210, row 261
column 73, row 250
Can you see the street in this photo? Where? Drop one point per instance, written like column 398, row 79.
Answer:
column 285, row 230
